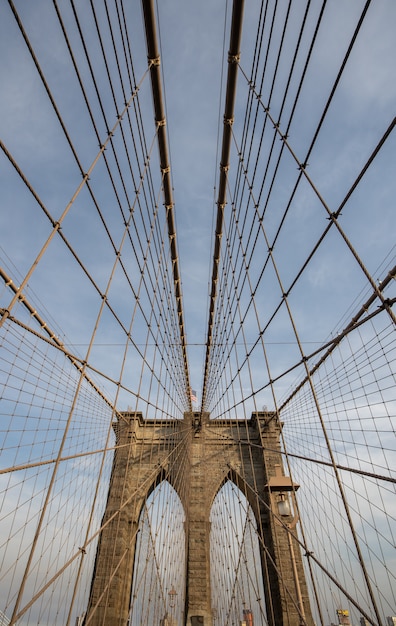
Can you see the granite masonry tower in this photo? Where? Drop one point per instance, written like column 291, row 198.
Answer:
column 214, row 451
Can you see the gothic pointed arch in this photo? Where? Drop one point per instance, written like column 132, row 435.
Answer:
column 160, row 553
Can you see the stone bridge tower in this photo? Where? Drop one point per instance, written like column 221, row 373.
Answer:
column 206, row 453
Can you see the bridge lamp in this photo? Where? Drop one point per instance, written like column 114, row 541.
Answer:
column 172, row 603
column 283, row 505
column 172, row 597
column 281, row 486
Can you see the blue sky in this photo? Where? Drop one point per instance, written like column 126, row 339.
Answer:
column 194, row 43
column 192, row 39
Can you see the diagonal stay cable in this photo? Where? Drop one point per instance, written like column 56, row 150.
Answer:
column 160, row 119
column 377, row 289
column 233, row 61
column 58, row 223
column 18, row 291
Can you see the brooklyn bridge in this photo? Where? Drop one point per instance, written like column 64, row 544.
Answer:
column 197, row 330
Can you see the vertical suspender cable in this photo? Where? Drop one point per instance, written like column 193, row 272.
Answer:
column 233, row 61
column 160, row 119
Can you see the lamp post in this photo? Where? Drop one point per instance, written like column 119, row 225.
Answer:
column 279, row 487
column 172, row 603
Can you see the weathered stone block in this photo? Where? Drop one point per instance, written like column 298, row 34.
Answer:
column 207, row 462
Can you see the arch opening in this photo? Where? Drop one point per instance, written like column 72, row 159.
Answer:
column 235, row 563
column 159, row 573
